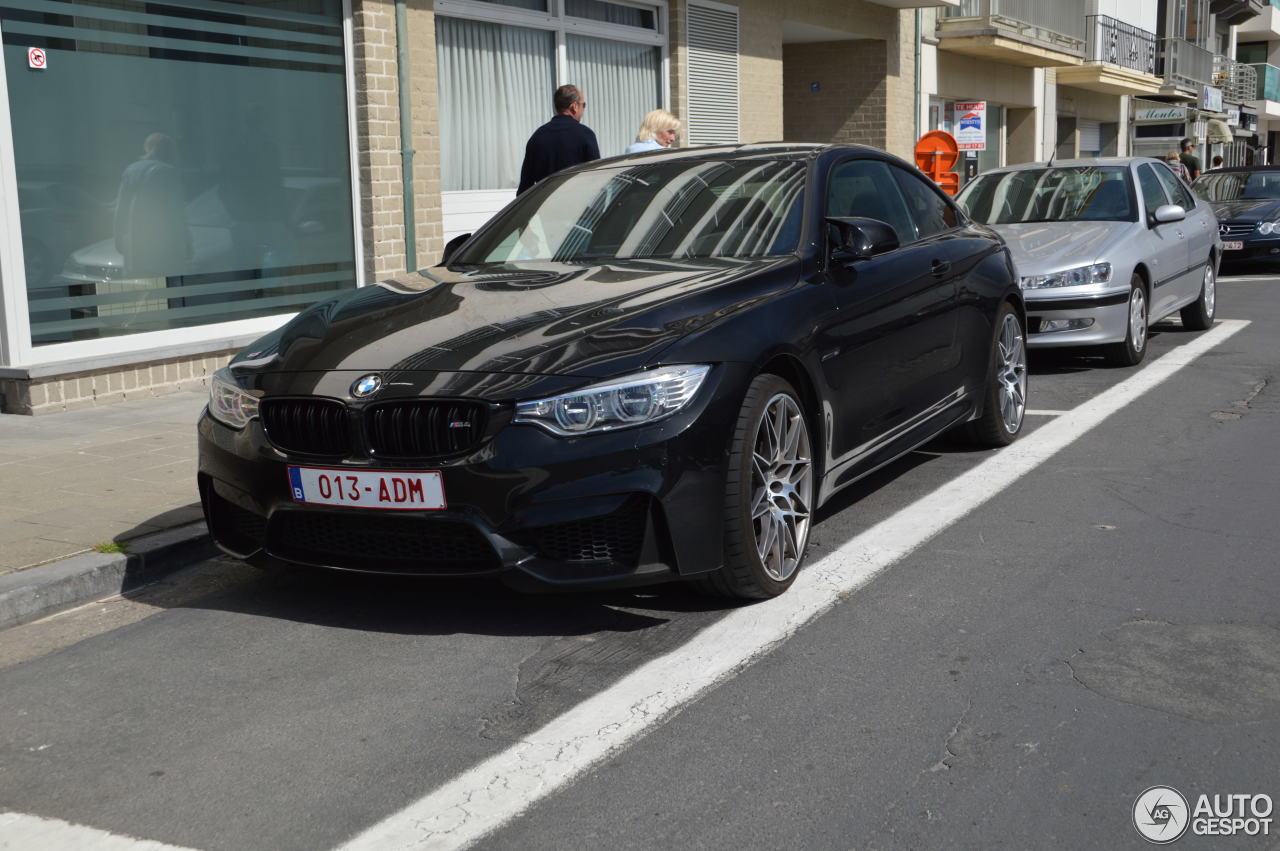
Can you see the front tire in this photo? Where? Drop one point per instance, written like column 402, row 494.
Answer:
column 768, row 494
column 1005, row 405
column 1198, row 316
column 1134, row 348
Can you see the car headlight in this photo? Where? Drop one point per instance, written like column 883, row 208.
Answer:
column 1269, row 228
column 644, row 397
column 228, row 404
column 1098, row 273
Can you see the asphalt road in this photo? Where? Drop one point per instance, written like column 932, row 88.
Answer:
column 1103, row 624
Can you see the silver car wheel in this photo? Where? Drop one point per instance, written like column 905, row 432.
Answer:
column 1138, row 318
column 1210, row 290
column 1012, row 373
column 781, row 487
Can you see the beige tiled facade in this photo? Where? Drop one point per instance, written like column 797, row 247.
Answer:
column 84, row 389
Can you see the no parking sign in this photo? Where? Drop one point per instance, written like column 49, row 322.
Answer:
column 36, row 58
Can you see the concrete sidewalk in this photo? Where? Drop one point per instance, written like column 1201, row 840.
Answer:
column 80, row 482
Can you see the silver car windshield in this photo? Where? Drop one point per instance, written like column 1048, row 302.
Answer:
column 1239, row 186
column 681, row 208
column 1080, row 193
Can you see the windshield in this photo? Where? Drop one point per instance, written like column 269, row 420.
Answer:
column 1083, row 193
column 1238, row 185
column 680, row 208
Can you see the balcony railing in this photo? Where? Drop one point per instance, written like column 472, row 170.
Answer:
column 1117, row 43
column 1238, row 81
column 1058, row 25
column 1184, row 65
column 1268, row 82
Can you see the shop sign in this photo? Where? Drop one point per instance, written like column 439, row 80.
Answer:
column 1211, row 100
column 1233, row 116
column 971, row 125
column 1161, row 114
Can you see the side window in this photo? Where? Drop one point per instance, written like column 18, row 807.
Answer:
column 865, row 188
column 1174, row 188
column 1152, row 193
column 929, row 210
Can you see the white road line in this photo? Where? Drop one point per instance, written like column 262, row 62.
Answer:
column 502, row 787
column 22, row 832
column 1044, row 412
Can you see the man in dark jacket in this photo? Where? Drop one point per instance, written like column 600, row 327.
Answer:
column 561, row 142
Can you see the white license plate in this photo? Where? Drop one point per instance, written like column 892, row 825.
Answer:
column 1232, row 245
column 366, row 488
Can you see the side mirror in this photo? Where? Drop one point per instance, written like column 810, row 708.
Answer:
column 1169, row 213
column 861, row 239
column 451, row 248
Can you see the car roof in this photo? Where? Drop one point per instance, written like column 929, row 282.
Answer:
column 1075, row 163
column 1245, row 168
column 795, row 151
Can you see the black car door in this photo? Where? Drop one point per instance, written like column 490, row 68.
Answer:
column 888, row 351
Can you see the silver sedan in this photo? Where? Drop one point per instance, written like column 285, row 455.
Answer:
column 1104, row 248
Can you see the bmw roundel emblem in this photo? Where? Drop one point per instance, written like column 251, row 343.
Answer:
column 366, row 385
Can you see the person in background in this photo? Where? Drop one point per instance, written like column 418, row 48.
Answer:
column 1190, row 160
column 657, row 132
column 1175, row 165
column 1217, row 162
column 561, row 142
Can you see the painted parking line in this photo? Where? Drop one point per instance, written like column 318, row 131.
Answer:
column 22, row 832
column 502, row 787
column 1044, row 412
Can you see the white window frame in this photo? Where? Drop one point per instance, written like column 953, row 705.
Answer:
column 16, row 350
column 554, row 20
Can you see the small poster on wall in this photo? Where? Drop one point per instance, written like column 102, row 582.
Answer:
column 970, row 122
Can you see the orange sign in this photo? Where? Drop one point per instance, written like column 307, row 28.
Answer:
column 936, row 154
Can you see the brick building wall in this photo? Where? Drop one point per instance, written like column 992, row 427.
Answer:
column 850, row 103
column 378, row 135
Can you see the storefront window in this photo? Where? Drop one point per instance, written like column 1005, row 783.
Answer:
column 178, row 164
column 496, row 81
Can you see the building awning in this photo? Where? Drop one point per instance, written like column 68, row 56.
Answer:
column 1217, row 132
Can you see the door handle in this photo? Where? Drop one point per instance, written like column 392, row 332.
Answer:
column 941, row 267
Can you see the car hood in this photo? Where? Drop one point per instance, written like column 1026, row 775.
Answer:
column 534, row 318
column 1039, row 248
column 1251, row 210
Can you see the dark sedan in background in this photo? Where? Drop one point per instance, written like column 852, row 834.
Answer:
column 650, row 368
column 1246, row 201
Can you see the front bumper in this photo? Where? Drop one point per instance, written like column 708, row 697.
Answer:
column 1108, row 316
column 630, row 507
column 1255, row 250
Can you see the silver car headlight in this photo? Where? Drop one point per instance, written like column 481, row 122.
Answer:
column 228, row 404
column 1098, row 273
column 632, row 400
column 1269, row 228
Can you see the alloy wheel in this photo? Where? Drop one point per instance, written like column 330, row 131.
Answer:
column 781, row 487
column 1012, row 373
column 1210, row 291
column 1138, row 318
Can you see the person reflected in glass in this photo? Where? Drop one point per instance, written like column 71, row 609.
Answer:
column 658, row 131
column 251, row 188
column 151, row 231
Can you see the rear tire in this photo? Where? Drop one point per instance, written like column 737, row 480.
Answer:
column 769, row 494
column 1198, row 316
column 1005, row 405
column 1134, row 348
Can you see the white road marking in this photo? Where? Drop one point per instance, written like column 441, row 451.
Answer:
column 22, row 832
column 502, row 787
column 1044, row 412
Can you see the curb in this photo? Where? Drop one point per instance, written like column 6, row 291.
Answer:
column 33, row 593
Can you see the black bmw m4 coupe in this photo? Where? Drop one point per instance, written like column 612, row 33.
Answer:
column 645, row 369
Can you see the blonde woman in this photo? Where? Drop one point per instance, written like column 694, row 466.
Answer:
column 658, row 131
